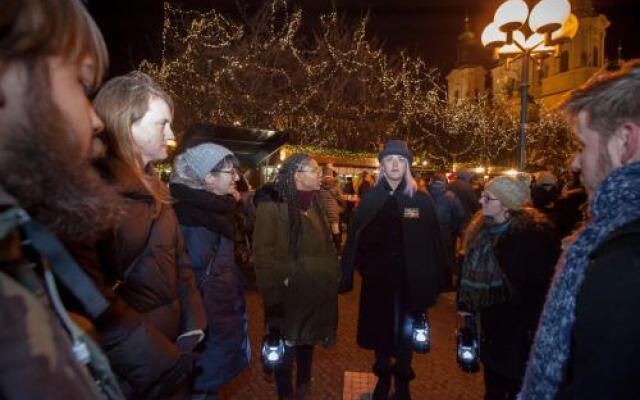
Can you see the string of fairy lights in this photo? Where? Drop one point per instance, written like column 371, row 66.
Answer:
column 336, row 88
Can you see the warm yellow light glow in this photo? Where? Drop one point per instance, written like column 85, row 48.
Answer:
column 536, row 42
column 511, row 172
column 172, row 143
column 479, row 170
column 549, row 15
column 492, row 37
column 510, row 49
column 511, row 15
column 283, row 154
column 424, row 163
column 567, row 32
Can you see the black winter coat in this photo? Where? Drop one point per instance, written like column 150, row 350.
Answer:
column 395, row 243
column 159, row 297
column 466, row 195
column 604, row 343
column 526, row 253
column 451, row 214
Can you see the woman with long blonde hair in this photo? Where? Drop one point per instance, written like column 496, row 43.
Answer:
column 395, row 244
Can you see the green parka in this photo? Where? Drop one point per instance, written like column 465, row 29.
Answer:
column 300, row 296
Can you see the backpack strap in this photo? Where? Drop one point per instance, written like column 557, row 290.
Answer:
column 10, row 219
column 63, row 266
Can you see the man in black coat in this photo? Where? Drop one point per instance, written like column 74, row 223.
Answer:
column 395, row 243
column 587, row 343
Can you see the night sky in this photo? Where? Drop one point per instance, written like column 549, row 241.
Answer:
column 428, row 28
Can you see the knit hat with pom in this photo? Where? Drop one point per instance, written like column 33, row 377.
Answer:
column 513, row 192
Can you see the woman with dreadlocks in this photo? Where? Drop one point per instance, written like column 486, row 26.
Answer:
column 296, row 269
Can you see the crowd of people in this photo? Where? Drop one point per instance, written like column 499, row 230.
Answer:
column 116, row 285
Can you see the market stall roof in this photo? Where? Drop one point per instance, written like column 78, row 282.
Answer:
column 251, row 146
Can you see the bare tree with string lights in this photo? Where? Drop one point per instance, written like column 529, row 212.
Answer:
column 334, row 88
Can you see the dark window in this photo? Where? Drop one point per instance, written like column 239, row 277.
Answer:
column 596, row 59
column 583, row 59
column 510, row 87
column 564, row 61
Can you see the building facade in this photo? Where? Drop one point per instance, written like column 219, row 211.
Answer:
column 550, row 78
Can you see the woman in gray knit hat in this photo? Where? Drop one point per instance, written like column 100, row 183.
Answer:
column 202, row 184
column 510, row 250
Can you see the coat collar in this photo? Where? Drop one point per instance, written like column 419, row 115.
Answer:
column 124, row 178
column 400, row 189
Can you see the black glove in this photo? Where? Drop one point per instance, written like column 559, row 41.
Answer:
column 274, row 333
column 419, row 314
column 274, row 315
column 274, row 311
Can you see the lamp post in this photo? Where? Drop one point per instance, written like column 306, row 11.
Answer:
column 550, row 23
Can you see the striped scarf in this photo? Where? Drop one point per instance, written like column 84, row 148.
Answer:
column 482, row 282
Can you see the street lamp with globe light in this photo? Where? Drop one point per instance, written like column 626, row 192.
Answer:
column 550, row 23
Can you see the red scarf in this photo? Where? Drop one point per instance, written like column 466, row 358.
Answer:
column 305, row 197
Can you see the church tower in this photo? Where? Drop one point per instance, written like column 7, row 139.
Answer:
column 467, row 79
column 577, row 60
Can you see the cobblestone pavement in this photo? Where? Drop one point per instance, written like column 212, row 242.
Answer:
column 438, row 376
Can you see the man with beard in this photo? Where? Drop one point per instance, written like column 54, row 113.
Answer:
column 587, row 343
column 52, row 56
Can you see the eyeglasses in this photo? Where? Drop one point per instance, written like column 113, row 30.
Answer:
column 486, row 197
column 315, row 170
column 233, row 172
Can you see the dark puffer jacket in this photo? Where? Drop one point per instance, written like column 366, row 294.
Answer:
column 208, row 225
column 159, row 287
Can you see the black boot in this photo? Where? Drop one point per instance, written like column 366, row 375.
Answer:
column 401, row 390
column 402, row 374
column 381, row 391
